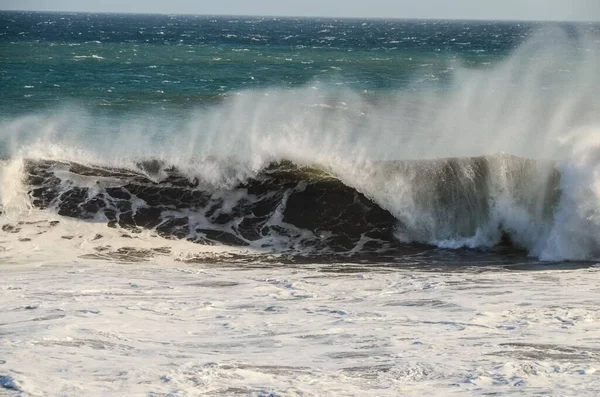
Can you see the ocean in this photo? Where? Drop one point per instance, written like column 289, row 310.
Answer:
column 262, row 206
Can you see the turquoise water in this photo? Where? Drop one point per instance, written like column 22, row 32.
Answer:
column 134, row 62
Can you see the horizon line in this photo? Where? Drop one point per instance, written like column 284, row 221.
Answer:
column 307, row 16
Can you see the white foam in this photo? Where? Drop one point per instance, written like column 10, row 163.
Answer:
column 97, row 328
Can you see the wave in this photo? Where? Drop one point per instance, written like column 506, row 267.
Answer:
column 326, row 169
column 285, row 206
column 472, row 202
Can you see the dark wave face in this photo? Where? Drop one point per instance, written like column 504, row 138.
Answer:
column 285, row 207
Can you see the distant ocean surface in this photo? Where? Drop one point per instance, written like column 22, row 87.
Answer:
column 166, row 62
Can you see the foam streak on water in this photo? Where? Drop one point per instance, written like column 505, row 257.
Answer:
column 159, row 328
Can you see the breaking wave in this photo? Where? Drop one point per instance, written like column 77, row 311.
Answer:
column 334, row 170
column 455, row 202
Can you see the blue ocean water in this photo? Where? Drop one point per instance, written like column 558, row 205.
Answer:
column 134, row 62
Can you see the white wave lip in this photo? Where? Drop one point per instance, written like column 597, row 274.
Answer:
column 540, row 104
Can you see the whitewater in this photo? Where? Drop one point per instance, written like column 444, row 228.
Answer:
column 304, row 238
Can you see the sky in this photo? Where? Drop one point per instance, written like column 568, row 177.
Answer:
column 588, row 10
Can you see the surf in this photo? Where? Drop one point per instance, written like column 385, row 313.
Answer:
column 505, row 153
column 286, row 206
